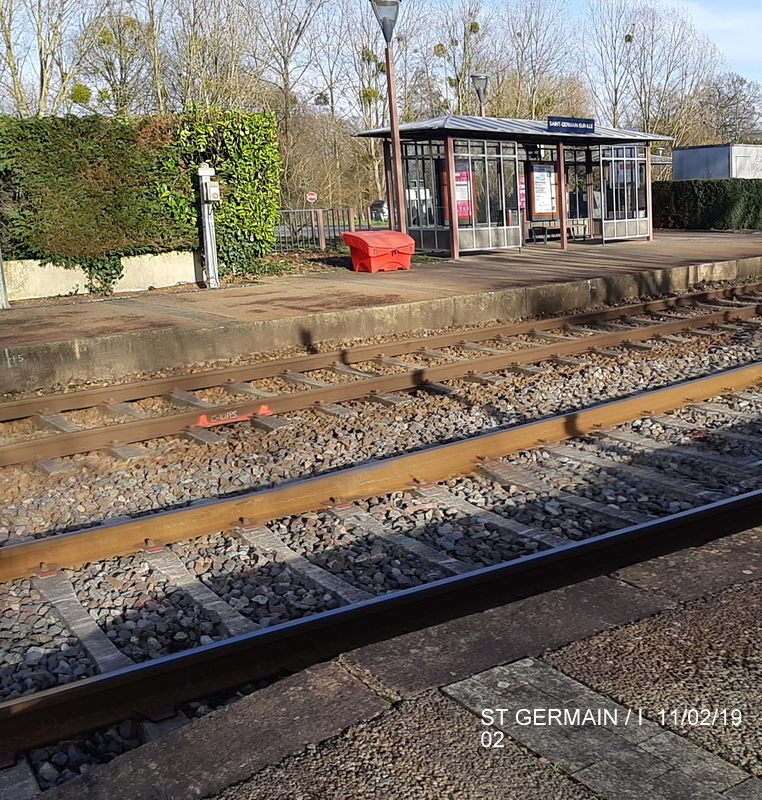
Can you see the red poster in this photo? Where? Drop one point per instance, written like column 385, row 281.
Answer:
column 463, row 190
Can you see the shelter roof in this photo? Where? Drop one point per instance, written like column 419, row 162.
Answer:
column 523, row 130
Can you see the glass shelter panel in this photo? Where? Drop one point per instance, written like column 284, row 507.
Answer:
column 488, row 197
column 510, row 194
column 623, row 181
column 479, row 177
column 424, row 168
column 486, row 194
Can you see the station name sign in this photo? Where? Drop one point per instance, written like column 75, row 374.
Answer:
column 570, row 125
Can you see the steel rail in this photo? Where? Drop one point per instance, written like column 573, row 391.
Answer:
column 88, row 439
column 156, row 688
column 88, row 398
column 373, row 478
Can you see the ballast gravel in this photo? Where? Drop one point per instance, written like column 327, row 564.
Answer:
column 602, row 485
column 36, row 650
column 260, row 589
column 671, row 466
column 367, row 561
column 447, row 529
column 67, row 759
column 142, row 613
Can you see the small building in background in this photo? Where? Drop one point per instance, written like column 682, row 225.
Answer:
column 717, row 161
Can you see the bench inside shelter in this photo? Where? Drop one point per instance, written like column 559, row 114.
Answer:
column 576, row 230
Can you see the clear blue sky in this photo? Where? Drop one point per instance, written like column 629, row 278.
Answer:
column 734, row 25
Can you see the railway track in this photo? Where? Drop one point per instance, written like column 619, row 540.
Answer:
column 237, row 589
column 113, row 419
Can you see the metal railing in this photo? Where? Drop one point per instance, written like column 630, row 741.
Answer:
column 317, row 228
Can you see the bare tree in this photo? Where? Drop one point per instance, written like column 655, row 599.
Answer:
column 117, row 64
column 43, row 42
column 669, row 66
column 421, row 90
column 368, row 98
column 207, row 55
column 326, row 41
column 731, row 110
column 608, row 33
column 532, row 68
column 154, row 20
column 13, row 61
column 285, row 46
column 461, row 28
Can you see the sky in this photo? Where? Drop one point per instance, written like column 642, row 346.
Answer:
column 735, row 26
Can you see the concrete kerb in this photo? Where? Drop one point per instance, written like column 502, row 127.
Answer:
column 27, row 368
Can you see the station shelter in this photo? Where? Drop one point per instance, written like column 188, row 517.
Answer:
column 484, row 183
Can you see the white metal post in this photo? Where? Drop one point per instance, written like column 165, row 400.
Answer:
column 3, row 288
column 205, row 172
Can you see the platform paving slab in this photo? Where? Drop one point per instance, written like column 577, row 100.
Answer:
column 705, row 654
column 426, row 748
column 748, row 790
column 561, row 720
column 700, row 765
column 700, row 571
column 232, row 743
column 454, row 650
column 18, row 782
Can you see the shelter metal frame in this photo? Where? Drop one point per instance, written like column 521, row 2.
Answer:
column 475, row 183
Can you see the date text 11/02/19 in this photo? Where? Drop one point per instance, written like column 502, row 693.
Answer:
column 701, row 717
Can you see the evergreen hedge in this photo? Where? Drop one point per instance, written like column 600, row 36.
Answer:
column 729, row 204
column 84, row 191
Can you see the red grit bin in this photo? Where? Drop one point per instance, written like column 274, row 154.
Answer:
column 379, row 251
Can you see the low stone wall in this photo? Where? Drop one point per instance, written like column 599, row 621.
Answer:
column 26, row 280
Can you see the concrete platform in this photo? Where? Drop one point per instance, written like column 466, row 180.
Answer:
column 74, row 341
column 404, row 719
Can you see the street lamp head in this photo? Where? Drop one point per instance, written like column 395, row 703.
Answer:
column 479, row 80
column 386, row 12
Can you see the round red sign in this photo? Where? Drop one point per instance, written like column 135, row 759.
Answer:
column 311, row 197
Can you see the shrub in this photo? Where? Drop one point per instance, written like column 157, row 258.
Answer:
column 729, row 204
column 84, row 191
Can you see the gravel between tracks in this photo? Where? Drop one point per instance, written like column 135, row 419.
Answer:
column 143, row 614
column 366, row 561
column 469, row 540
column 178, row 472
column 36, row 651
column 674, row 465
column 265, row 591
column 602, row 485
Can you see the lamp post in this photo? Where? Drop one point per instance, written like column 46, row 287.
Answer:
column 386, row 12
column 479, row 80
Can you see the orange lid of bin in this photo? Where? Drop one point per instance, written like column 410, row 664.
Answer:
column 380, row 241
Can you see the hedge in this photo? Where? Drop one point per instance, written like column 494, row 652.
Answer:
column 84, row 191
column 730, row 204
